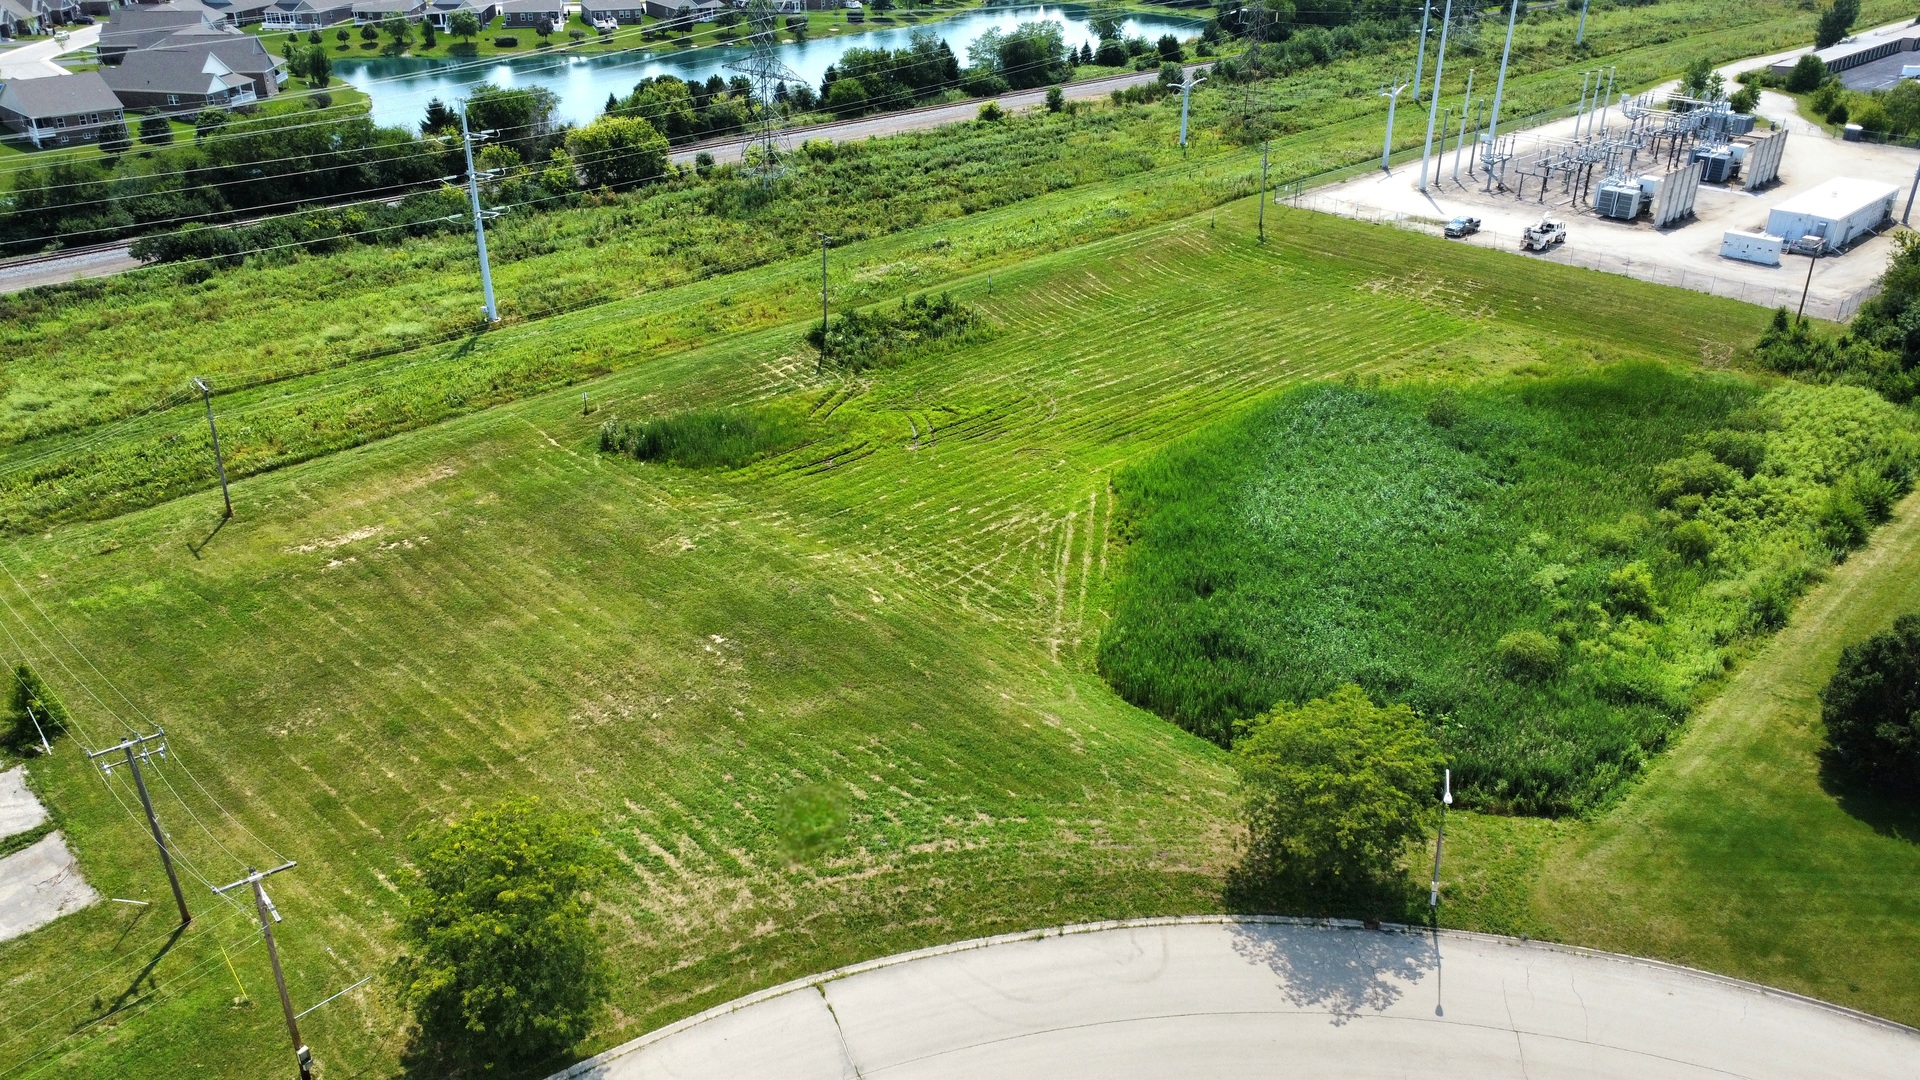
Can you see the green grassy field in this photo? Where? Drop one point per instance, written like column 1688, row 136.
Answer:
column 386, row 635
column 111, row 360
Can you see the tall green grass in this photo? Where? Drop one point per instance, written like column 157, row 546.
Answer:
column 1515, row 560
column 706, row 438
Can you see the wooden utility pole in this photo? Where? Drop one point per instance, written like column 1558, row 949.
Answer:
column 138, row 748
column 268, row 916
column 206, row 396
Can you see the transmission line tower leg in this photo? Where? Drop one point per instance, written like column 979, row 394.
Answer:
column 1263, row 193
column 1433, row 111
column 479, row 223
column 1500, row 85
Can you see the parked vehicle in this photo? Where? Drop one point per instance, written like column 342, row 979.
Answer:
column 1462, row 226
column 1544, row 235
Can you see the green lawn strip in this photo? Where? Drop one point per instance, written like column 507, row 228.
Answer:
column 488, row 605
column 1735, row 855
column 70, row 345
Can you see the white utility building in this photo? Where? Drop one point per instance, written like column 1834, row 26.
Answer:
column 1837, row 211
column 1752, row 247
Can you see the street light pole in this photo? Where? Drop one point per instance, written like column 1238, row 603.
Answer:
column 479, row 222
column 1186, row 92
column 1446, row 800
column 1386, row 147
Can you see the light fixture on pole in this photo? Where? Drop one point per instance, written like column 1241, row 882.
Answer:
column 1392, row 94
column 1187, row 83
column 1446, row 800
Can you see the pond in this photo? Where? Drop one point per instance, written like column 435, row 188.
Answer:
column 401, row 88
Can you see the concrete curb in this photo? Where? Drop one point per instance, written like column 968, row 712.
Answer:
column 606, row 1057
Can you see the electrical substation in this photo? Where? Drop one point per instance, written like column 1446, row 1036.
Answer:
column 1657, row 185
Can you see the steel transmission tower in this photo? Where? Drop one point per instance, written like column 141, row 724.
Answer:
column 765, row 150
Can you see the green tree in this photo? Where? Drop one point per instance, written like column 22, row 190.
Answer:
column 1835, row 21
column 1056, row 99
column 464, row 25
column 1334, row 790
column 1872, row 707
column 618, row 151
column 429, row 34
column 501, row 964
column 1807, row 75
column 319, row 67
column 369, row 32
column 439, row 118
column 114, row 138
column 155, row 130
column 399, row 34
column 797, row 26
column 341, row 35
column 847, row 97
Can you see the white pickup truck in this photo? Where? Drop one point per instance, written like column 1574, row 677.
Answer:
column 1544, row 235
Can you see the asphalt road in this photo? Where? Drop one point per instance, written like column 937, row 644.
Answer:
column 104, row 261
column 1217, row 997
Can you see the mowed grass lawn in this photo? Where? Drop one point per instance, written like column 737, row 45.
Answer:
column 386, row 636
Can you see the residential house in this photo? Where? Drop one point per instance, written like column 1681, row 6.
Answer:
column 18, row 18
column 702, row 10
column 606, row 14
column 379, row 11
column 59, row 110
column 56, row 12
column 531, row 12
column 139, row 27
column 306, row 14
column 178, row 81
column 441, row 12
column 245, row 54
column 240, row 12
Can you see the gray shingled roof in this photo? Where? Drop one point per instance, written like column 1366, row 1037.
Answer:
column 512, row 7
column 166, row 71
column 58, row 95
column 241, row 52
column 394, row 6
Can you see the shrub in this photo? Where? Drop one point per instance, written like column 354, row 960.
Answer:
column 114, row 138
column 341, row 35
column 991, row 112
column 502, row 965
column 1807, row 74
column 1334, row 790
column 1872, row 707
column 870, row 337
column 1630, row 591
column 1056, row 99
column 1111, row 53
column 1696, row 474
column 1744, row 100
column 708, row 438
column 369, row 32
column 1838, row 114
column 1693, row 541
column 506, row 41
column 1528, row 654
column 1169, row 48
column 34, row 712
column 1842, row 520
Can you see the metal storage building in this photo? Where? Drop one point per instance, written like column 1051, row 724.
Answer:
column 1837, row 211
column 1751, row 247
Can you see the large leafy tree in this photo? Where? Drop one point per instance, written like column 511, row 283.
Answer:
column 1872, row 707
column 1835, row 21
column 618, row 152
column 502, row 964
column 1334, row 790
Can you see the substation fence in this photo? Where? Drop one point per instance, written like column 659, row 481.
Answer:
column 1835, row 309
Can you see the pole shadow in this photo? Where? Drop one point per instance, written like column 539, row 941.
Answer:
column 196, row 549
column 132, row 993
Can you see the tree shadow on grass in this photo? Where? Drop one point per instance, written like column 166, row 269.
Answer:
column 1889, row 813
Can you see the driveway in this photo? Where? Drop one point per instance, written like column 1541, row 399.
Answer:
column 34, row 60
column 1223, row 997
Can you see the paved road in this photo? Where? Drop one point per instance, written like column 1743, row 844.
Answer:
column 34, row 60
column 16, row 275
column 1226, row 998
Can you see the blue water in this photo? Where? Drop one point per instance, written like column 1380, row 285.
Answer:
column 400, row 89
